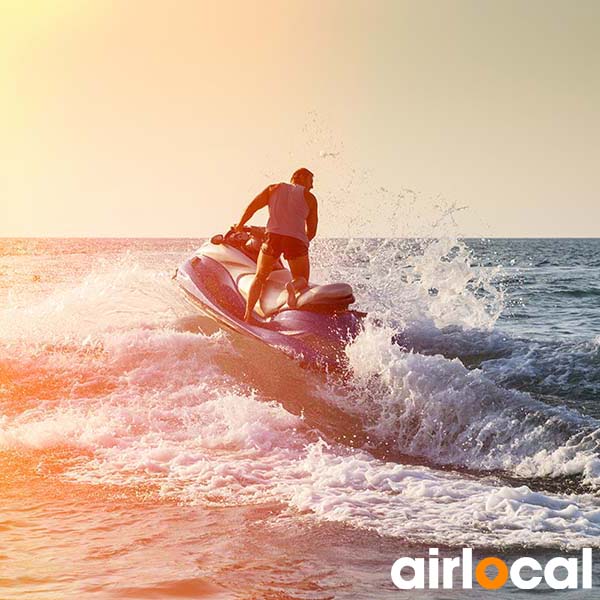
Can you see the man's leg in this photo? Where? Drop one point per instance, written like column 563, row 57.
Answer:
column 300, row 268
column 264, row 266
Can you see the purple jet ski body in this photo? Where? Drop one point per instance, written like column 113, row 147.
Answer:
column 217, row 279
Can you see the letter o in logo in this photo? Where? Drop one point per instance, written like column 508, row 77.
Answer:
column 501, row 577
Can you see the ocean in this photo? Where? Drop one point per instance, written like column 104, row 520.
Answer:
column 146, row 453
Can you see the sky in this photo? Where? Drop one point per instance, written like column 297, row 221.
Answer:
column 151, row 118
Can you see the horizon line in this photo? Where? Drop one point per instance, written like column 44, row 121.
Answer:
column 420, row 237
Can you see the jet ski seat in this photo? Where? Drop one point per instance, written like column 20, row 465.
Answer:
column 316, row 297
column 335, row 296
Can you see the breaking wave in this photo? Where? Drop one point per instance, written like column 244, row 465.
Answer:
column 116, row 378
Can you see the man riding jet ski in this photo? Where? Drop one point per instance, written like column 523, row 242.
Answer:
column 291, row 226
column 239, row 279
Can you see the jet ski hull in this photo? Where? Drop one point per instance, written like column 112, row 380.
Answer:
column 315, row 338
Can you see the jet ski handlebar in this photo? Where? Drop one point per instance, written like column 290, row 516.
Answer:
column 237, row 237
column 250, row 229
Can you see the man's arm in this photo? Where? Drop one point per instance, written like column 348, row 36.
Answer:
column 259, row 202
column 312, row 220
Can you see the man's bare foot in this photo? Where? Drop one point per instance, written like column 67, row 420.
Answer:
column 250, row 320
column 291, row 290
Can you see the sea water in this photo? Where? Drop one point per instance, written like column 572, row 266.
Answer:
column 145, row 453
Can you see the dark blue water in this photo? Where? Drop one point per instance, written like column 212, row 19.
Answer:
column 551, row 317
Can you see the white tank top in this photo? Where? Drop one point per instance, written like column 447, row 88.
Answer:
column 288, row 211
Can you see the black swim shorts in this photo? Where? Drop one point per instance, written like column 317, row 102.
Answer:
column 291, row 247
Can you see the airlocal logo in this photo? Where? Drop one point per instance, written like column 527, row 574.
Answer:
column 525, row 573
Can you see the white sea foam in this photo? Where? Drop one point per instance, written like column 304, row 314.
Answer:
column 416, row 503
column 100, row 369
column 415, row 285
column 120, row 295
column 432, row 407
column 161, row 412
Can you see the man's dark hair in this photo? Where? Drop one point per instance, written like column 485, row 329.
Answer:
column 298, row 173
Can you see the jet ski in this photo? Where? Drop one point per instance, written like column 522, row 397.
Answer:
column 217, row 279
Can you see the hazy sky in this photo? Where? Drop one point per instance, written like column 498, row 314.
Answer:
column 157, row 118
